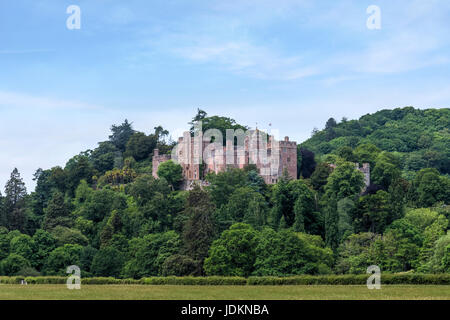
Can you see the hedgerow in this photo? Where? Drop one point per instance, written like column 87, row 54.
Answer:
column 360, row 279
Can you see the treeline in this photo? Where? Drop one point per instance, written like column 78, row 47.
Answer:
column 106, row 213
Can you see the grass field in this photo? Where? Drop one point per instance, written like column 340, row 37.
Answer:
column 141, row 292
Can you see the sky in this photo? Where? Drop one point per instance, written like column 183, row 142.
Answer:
column 290, row 63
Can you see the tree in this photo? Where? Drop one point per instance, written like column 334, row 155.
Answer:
column 23, row 245
column 201, row 114
column 331, row 223
column 440, row 260
column 15, row 190
column 62, row 257
column 13, row 264
column 282, row 202
column 149, row 253
column 104, row 156
column 307, row 163
column 172, row 172
column 234, row 253
column 346, row 153
column 345, row 210
column 223, row 184
column 3, row 216
column 285, row 253
column 199, row 230
column 344, row 182
column 44, row 243
column 329, row 129
column 4, row 243
column 179, row 265
column 256, row 213
column 107, row 262
column 367, row 153
column 64, row 235
column 244, row 204
column 374, row 212
column 156, row 202
column 386, row 170
column 57, row 213
column 78, row 168
column 431, row 226
column 403, row 241
column 87, row 255
column 306, row 217
column 101, row 203
column 320, row 176
column 43, row 190
column 140, row 146
column 113, row 226
column 121, row 134
column 14, row 204
column 215, row 122
column 353, row 253
column 428, row 188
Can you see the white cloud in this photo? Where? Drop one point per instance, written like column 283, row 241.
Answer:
column 247, row 59
column 20, row 100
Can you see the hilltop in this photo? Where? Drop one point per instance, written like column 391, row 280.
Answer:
column 420, row 138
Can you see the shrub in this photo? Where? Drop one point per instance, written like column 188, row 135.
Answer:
column 178, row 265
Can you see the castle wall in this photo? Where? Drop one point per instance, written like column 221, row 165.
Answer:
column 157, row 160
column 271, row 158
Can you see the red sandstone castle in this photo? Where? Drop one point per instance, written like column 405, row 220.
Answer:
column 198, row 155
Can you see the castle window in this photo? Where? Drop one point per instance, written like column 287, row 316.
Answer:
column 288, row 159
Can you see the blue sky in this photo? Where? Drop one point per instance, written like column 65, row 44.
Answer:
column 292, row 63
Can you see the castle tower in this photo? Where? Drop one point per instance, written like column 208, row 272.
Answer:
column 365, row 169
column 288, row 157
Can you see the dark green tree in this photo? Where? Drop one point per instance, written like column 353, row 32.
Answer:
column 140, row 146
column 15, row 202
column 234, row 253
column 107, row 262
column 199, row 230
column 121, row 134
column 179, row 265
column 57, row 213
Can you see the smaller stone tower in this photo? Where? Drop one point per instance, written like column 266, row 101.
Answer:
column 365, row 169
column 157, row 160
column 288, row 155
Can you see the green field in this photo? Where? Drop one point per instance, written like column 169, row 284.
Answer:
column 185, row 292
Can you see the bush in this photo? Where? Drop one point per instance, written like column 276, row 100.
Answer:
column 198, row 281
column 28, row 272
column 178, row 265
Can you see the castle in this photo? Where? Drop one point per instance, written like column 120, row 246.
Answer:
column 199, row 157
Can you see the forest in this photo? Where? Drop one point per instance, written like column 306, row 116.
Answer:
column 105, row 212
